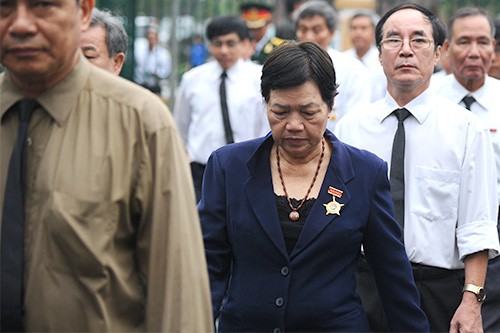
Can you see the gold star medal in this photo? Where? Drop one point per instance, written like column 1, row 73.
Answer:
column 333, row 207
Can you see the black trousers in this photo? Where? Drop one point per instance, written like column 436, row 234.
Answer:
column 197, row 171
column 490, row 310
column 440, row 294
column 452, row 293
column 370, row 299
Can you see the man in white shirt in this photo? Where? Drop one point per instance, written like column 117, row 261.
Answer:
column 495, row 66
column 198, row 109
column 315, row 21
column 449, row 205
column 362, row 34
column 470, row 47
column 153, row 63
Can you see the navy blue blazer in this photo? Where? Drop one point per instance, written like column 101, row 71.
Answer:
column 313, row 288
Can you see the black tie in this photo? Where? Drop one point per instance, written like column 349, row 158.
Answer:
column 468, row 100
column 223, row 105
column 397, row 175
column 12, row 246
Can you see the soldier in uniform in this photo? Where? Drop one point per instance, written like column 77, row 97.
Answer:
column 258, row 15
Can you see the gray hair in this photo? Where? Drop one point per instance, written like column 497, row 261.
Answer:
column 116, row 36
column 317, row 8
column 466, row 12
column 374, row 18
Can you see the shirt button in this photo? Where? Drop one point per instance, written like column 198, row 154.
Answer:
column 277, row 330
column 285, row 271
column 279, row 301
column 29, row 141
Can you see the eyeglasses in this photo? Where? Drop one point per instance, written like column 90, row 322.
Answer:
column 419, row 43
column 229, row 43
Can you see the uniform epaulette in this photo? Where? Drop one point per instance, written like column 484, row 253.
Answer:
column 277, row 41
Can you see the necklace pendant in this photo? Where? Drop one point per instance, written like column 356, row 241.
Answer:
column 294, row 216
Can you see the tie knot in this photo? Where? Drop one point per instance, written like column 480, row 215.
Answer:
column 223, row 75
column 468, row 100
column 26, row 107
column 401, row 114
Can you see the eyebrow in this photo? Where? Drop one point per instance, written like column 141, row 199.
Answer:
column 89, row 48
column 304, row 106
column 393, row 33
column 224, row 40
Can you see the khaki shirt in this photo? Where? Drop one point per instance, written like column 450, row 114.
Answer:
column 110, row 210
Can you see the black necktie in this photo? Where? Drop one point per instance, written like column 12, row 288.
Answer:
column 223, row 105
column 397, row 174
column 468, row 100
column 12, row 239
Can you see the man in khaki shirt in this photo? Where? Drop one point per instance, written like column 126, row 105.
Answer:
column 112, row 240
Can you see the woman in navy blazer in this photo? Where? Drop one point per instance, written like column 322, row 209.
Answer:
column 277, row 263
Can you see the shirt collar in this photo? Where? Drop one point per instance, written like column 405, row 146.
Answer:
column 459, row 92
column 419, row 107
column 59, row 101
column 231, row 71
column 481, row 95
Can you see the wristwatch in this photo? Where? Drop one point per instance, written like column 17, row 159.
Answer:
column 479, row 291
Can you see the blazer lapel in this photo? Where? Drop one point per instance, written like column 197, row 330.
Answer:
column 339, row 173
column 261, row 198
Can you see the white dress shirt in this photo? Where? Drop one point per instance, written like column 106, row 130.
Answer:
column 372, row 62
column 197, row 109
column 450, row 193
column 354, row 85
column 151, row 65
column 486, row 107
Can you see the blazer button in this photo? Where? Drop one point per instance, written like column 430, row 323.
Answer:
column 277, row 330
column 279, row 301
column 285, row 270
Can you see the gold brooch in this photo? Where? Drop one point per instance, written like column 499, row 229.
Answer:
column 333, row 207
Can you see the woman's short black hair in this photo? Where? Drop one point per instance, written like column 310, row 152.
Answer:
column 294, row 63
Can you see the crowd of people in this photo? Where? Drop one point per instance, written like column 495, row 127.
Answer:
column 293, row 187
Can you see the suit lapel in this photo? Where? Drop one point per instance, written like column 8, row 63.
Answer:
column 260, row 195
column 339, row 172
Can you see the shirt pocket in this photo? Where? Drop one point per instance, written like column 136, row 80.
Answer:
column 435, row 197
column 77, row 235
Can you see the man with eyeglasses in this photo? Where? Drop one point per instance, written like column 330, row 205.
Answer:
column 219, row 102
column 443, row 177
column 470, row 46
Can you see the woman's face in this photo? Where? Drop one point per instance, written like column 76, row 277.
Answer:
column 298, row 118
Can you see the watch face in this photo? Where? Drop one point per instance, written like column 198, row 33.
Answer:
column 481, row 295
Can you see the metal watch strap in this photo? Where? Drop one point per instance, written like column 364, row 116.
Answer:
column 478, row 291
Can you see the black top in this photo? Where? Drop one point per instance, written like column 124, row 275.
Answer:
column 291, row 230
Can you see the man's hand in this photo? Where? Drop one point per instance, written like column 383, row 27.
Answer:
column 467, row 318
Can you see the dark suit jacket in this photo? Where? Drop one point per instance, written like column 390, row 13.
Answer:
column 313, row 289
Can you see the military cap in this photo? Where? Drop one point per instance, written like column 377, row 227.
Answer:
column 256, row 13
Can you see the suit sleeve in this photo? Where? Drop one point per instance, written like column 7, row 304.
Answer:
column 389, row 263
column 212, row 209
